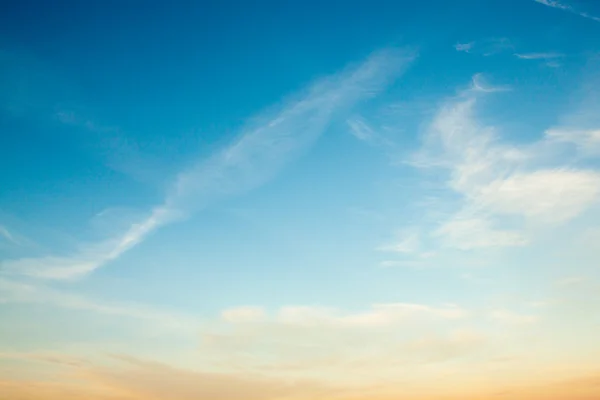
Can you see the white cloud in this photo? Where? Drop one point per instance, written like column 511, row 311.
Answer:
column 476, row 232
column 479, row 84
column 566, row 7
column 93, row 256
column 243, row 314
column 380, row 315
column 259, row 153
column 538, row 56
column 586, row 141
column 485, row 47
column 496, row 180
column 332, row 344
column 553, row 3
column 551, row 196
column 464, row 46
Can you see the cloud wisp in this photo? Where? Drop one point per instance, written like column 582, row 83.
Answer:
column 380, row 315
column 123, row 377
column 505, row 189
column 257, row 156
column 23, row 293
column 485, row 47
column 538, row 56
column 8, row 236
column 565, row 7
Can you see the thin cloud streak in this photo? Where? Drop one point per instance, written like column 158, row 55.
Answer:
column 538, row 56
column 568, row 8
column 6, row 234
column 258, row 155
column 361, row 130
column 485, row 47
column 23, row 293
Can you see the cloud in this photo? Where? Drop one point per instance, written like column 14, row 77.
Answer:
column 342, row 347
column 129, row 378
column 257, row 156
column 380, row 315
column 304, row 352
column 466, row 233
column 466, row 47
column 479, row 84
column 91, row 256
column 512, row 318
column 497, row 180
column 586, row 141
column 551, row 59
column 402, row 263
column 547, row 195
column 56, row 359
column 243, row 314
column 360, row 130
column 363, row 132
column 485, row 47
column 538, row 56
column 565, row 7
column 7, row 235
column 407, row 243
column 23, row 293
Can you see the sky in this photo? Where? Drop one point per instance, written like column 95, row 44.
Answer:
column 298, row 200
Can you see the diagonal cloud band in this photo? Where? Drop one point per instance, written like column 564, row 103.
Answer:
column 257, row 156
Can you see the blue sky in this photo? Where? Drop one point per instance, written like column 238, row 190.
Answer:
column 366, row 195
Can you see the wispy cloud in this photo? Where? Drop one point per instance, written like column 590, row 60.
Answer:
column 258, row 155
column 364, row 347
column 565, row 7
column 472, row 232
column 587, row 142
column 90, row 256
column 480, row 84
column 325, row 342
column 551, row 60
column 24, row 293
column 538, row 56
column 485, row 47
column 364, row 132
column 244, row 314
column 126, row 377
column 7, row 235
column 466, row 47
column 406, row 243
column 498, row 181
column 380, row 315
column 512, row 318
